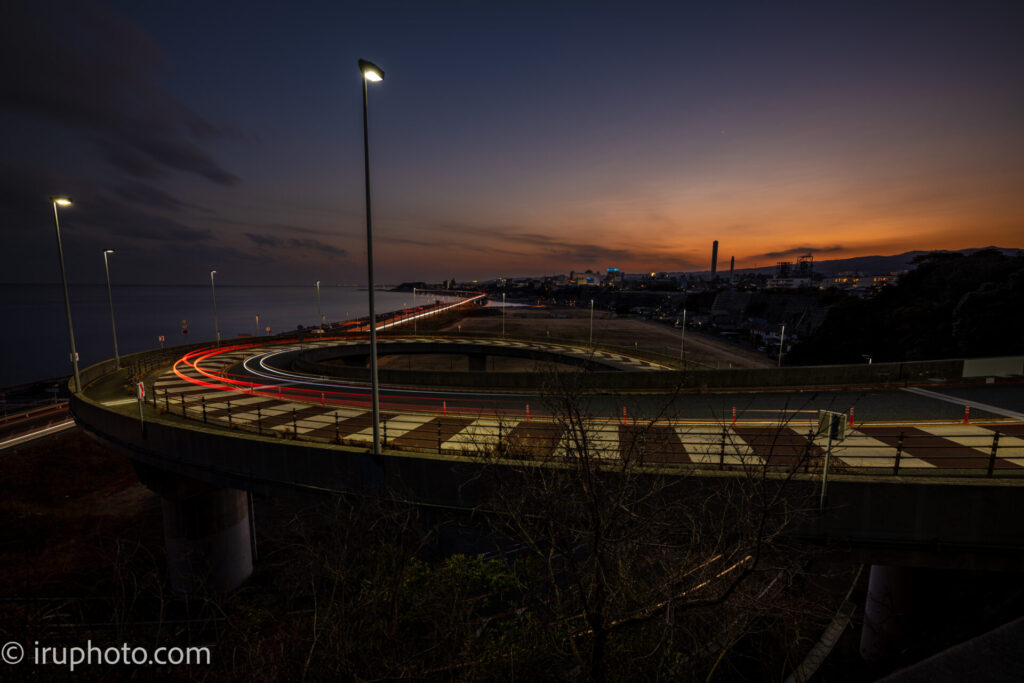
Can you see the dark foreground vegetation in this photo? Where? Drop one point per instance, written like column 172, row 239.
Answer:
column 950, row 306
column 597, row 573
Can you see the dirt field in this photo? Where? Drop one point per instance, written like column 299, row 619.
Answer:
column 71, row 513
column 609, row 329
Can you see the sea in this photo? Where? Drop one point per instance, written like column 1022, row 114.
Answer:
column 34, row 341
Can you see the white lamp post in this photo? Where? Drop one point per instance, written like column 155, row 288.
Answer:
column 110, row 299
column 213, row 291
column 64, row 201
column 372, row 73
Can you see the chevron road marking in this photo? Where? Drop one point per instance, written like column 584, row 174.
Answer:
column 601, row 438
column 478, row 435
column 935, row 445
column 705, row 446
column 860, row 450
column 1010, row 447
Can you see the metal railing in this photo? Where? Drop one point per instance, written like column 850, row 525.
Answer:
column 996, row 450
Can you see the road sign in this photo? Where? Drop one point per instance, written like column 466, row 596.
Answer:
column 141, row 390
column 832, row 425
column 268, row 329
column 161, row 338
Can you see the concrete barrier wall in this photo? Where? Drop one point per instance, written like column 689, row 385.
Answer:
column 885, row 374
column 314, row 360
column 994, row 367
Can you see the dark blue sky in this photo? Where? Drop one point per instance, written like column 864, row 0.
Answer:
column 509, row 138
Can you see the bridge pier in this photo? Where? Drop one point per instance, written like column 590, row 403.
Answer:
column 886, row 613
column 207, row 532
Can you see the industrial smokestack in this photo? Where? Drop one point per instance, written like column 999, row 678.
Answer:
column 732, row 267
column 714, row 258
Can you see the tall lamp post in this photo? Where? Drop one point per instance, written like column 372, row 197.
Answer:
column 64, row 201
column 319, row 316
column 782, row 339
column 682, row 341
column 371, row 72
column 213, row 291
column 591, row 340
column 110, row 299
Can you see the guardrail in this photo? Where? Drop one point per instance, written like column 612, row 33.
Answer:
column 37, row 410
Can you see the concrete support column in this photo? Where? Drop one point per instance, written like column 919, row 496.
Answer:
column 208, row 544
column 886, row 613
column 207, row 531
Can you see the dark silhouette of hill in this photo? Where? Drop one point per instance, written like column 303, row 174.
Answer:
column 879, row 264
column 951, row 305
column 897, row 262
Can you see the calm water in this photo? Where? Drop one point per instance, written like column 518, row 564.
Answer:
column 34, row 337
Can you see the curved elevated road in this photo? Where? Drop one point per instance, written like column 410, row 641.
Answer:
column 894, row 430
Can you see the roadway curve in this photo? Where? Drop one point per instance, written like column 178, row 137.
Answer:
column 909, row 428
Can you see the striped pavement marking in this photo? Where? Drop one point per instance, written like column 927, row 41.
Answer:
column 1010, row 448
column 653, row 443
column 778, row 445
column 403, row 424
column 936, row 450
column 366, row 435
column 704, row 446
column 601, row 440
column 926, row 446
column 861, row 450
column 434, row 433
column 481, row 434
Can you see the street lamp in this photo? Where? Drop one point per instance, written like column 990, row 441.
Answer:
column 503, row 315
column 319, row 316
column 110, row 298
column 682, row 342
column 64, row 201
column 372, row 73
column 213, row 291
column 591, row 323
column 782, row 340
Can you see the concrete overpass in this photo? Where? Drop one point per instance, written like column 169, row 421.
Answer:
column 941, row 492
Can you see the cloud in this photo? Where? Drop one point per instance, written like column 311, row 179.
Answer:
column 147, row 195
column 800, row 251
column 82, row 66
column 264, row 240
column 308, row 244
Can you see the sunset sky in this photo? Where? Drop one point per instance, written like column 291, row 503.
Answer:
column 508, row 138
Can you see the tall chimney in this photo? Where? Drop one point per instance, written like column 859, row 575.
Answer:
column 732, row 267
column 714, row 258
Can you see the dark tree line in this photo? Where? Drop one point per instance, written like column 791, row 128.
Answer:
column 950, row 306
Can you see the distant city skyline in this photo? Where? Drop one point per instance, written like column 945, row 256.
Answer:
column 509, row 138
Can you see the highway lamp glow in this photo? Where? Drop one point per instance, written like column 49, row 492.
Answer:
column 371, row 72
column 64, row 201
column 213, row 291
column 110, row 299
